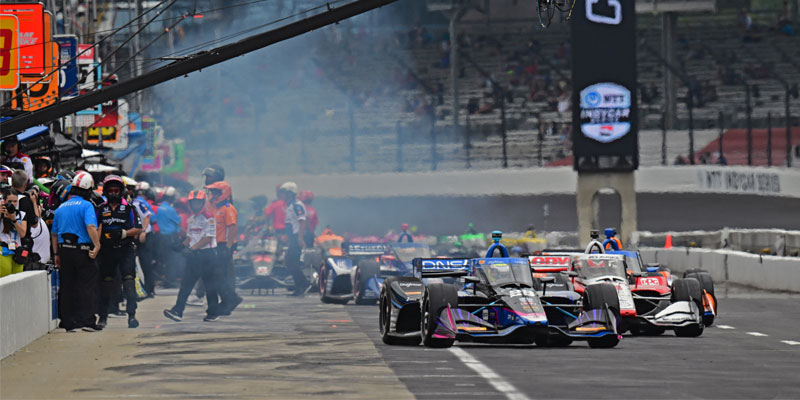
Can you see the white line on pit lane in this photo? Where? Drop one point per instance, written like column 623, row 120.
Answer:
column 757, row 334
column 725, row 327
column 500, row 384
column 790, row 342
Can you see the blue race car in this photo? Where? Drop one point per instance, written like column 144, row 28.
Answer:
column 490, row 299
column 369, row 275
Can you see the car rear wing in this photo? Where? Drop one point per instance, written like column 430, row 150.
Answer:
column 441, row 267
column 550, row 263
column 366, row 249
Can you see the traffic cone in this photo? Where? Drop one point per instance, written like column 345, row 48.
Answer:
column 668, row 243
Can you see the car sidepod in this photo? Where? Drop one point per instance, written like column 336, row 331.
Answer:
column 335, row 282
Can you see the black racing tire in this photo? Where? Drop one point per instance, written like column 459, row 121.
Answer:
column 364, row 271
column 688, row 289
column 705, row 279
column 707, row 284
column 437, row 296
column 323, row 288
column 384, row 320
column 598, row 297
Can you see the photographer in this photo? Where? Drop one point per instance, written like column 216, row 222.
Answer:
column 13, row 230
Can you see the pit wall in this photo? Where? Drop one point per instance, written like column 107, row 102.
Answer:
column 26, row 309
column 763, row 272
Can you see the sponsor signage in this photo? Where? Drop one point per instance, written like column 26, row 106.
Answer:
column 605, row 111
column 444, row 264
column 550, row 260
column 34, row 96
column 47, row 41
column 737, row 181
column 9, row 53
column 86, row 52
column 68, row 73
column 30, row 35
column 604, row 115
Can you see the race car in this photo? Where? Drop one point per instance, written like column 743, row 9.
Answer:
column 658, row 297
column 369, row 275
column 561, row 302
column 335, row 278
column 490, row 300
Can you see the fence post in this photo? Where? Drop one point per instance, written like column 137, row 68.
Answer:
column 468, row 141
column 540, row 160
column 691, row 126
column 748, row 115
column 664, row 138
column 788, row 131
column 399, row 131
column 721, row 133
column 433, row 144
column 352, row 135
column 769, row 139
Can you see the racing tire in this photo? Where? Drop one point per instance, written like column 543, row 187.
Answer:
column 707, row 284
column 385, row 320
column 688, row 289
column 598, row 297
column 364, row 271
column 437, row 296
column 323, row 288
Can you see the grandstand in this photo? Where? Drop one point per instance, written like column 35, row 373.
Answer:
column 393, row 122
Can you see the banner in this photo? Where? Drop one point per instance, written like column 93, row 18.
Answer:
column 68, row 74
column 604, row 114
column 30, row 39
column 41, row 94
column 9, row 54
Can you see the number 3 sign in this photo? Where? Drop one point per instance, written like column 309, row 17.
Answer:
column 9, row 56
column 603, row 19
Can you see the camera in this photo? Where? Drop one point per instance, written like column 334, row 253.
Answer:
column 10, row 208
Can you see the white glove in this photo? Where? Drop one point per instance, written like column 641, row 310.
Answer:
column 124, row 234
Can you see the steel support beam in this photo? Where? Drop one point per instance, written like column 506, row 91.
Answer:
column 188, row 65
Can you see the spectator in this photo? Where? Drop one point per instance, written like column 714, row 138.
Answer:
column 679, row 160
column 13, row 231
column 744, row 20
column 564, row 103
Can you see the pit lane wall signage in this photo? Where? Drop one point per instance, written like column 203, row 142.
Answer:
column 604, row 115
column 739, row 181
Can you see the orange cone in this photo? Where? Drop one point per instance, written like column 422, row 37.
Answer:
column 668, row 243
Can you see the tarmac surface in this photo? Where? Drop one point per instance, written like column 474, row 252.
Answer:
column 281, row 347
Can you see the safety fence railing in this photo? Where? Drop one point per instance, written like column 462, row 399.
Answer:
column 756, row 241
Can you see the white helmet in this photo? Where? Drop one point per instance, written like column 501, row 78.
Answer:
column 143, row 185
column 83, row 180
column 170, row 191
column 129, row 181
column 290, row 187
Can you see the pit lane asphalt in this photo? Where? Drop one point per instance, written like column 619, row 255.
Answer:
column 284, row 348
column 730, row 360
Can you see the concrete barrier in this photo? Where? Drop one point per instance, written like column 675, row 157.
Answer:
column 763, row 272
column 25, row 309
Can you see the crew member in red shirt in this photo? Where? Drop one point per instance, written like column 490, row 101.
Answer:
column 276, row 213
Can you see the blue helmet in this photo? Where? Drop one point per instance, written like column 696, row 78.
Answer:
column 609, row 232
